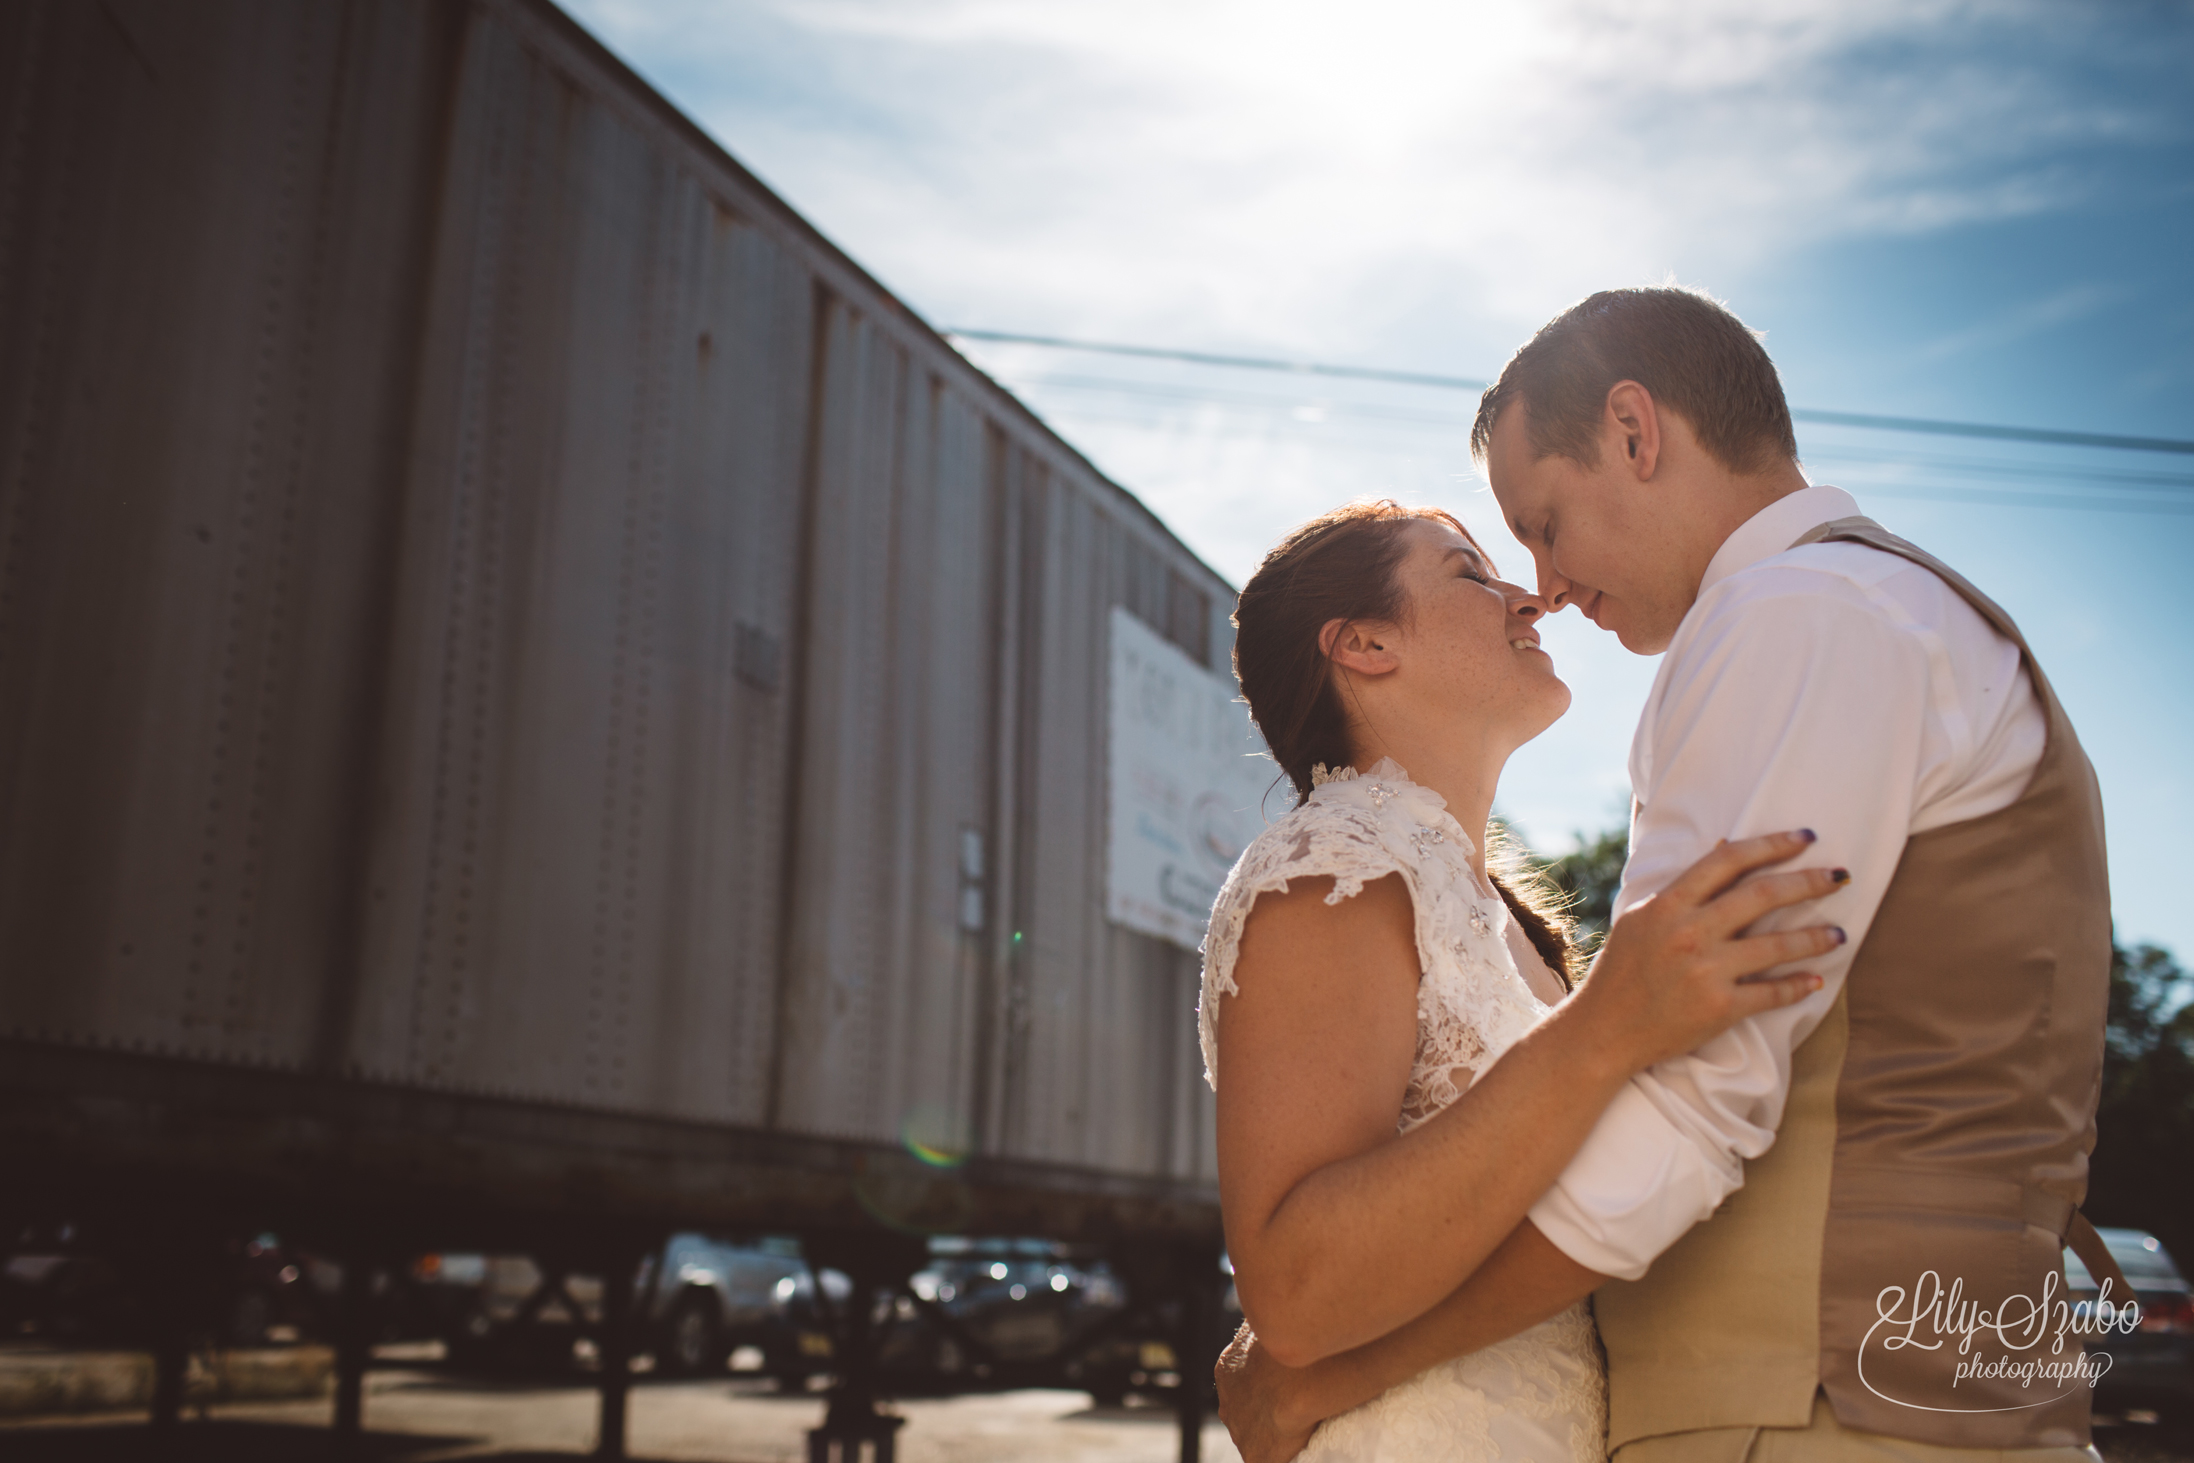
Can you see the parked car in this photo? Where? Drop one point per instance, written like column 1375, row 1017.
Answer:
column 1026, row 1312
column 2151, row 1372
column 1011, row 1305
column 256, row 1291
column 716, row 1298
column 981, row 1313
column 706, row 1299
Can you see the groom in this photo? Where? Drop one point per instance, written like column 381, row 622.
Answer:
column 1792, row 1234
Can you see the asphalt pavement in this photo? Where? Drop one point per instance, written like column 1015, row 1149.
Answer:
column 430, row 1416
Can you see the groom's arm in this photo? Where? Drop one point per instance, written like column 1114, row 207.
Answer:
column 1784, row 709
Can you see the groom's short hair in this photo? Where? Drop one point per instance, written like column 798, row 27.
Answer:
column 1693, row 355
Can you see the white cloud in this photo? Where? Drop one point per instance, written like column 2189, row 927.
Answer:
column 1401, row 178
column 2025, row 319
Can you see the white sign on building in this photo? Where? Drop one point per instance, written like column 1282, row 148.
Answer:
column 1188, row 783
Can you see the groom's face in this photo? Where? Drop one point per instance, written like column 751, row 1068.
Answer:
column 1593, row 535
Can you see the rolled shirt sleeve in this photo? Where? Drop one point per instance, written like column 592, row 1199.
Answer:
column 1790, row 699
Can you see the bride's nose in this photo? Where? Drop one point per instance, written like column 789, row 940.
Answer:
column 1526, row 606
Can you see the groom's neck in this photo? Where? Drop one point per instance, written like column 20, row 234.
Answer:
column 1730, row 499
column 1720, row 503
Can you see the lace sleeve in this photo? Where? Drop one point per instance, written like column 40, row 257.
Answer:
column 1341, row 841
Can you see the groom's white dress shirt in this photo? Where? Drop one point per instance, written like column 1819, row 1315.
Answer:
column 1831, row 687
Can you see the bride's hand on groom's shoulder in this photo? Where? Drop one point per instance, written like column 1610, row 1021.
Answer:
column 1678, row 969
column 1254, row 1391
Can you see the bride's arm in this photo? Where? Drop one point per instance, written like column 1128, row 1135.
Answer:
column 1342, row 1232
column 1270, row 1410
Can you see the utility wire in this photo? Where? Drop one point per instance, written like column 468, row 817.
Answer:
column 1999, row 434
column 2166, row 493
column 1927, row 425
column 1246, row 363
column 1450, row 420
column 1331, row 413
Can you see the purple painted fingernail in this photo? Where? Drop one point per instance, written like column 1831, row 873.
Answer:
column 1809, row 835
column 1841, row 937
column 1839, row 876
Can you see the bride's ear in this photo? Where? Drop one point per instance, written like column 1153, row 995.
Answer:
column 1358, row 645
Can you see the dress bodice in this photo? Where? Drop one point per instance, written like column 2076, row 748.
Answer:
column 1472, row 1002
column 1540, row 1395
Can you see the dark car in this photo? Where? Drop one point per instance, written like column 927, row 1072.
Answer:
column 1029, row 1312
column 2150, row 1378
column 1006, row 1306
column 255, row 1291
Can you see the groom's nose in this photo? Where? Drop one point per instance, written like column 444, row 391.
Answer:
column 1554, row 590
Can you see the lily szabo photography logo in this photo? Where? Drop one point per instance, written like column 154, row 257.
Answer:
column 2034, row 1343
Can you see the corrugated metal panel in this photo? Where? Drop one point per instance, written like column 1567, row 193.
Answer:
column 550, row 626
column 208, row 264
column 581, row 858
column 1106, row 1074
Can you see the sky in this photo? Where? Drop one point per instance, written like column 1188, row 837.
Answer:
column 1974, row 211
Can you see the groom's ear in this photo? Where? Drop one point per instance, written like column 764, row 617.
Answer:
column 1359, row 645
column 1630, row 429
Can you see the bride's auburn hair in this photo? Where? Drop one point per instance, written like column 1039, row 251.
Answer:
column 1341, row 566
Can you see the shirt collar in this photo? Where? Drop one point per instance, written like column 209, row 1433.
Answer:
column 1775, row 528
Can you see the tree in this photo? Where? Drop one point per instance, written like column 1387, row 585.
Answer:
column 1590, row 877
column 2142, row 1171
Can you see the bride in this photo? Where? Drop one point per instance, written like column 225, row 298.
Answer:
column 1402, row 1063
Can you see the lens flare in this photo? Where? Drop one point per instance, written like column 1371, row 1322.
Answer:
column 936, row 1137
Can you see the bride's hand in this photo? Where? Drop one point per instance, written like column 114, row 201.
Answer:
column 1674, row 971
column 1252, row 1390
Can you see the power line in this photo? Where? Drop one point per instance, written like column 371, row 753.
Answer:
column 2083, row 503
column 2170, row 482
column 1926, row 425
column 2167, row 493
column 1999, row 434
column 2154, row 482
column 1246, row 363
column 1164, row 391
column 2174, row 490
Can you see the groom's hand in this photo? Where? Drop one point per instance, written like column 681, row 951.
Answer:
column 1253, row 1394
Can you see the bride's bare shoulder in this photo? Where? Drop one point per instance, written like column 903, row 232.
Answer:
column 1306, row 912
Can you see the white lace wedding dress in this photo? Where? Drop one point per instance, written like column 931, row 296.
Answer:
column 1541, row 1395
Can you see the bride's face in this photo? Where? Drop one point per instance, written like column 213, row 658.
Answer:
column 1470, row 643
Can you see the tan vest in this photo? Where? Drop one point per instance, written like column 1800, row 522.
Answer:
column 1939, row 1121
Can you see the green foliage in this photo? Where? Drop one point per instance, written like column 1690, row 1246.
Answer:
column 1589, row 878
column 2142, row 1172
